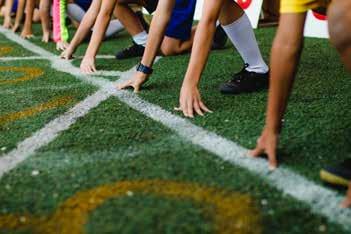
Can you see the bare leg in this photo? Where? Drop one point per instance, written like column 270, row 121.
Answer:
column 128, row 18
column 173, row 46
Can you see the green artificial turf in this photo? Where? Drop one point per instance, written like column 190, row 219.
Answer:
column 114, row 143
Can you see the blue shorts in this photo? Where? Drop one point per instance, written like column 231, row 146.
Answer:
column 84, row 4
column 181, row 21
column 14, row 6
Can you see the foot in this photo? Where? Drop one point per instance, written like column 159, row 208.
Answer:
column 220, row 39
column 337, row 175
column 133, row 51
column 246, row 82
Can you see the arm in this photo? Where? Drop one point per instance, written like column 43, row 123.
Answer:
column 44, row 10
column 7, row 16
column 156, row 34
column 27, row 28
column 190, row 98
column 347, row 202
column 88, row 63
column 285, row 57
column 84, row 28
column 19, row 14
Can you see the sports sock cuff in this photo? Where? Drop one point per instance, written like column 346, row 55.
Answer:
column 141, row 38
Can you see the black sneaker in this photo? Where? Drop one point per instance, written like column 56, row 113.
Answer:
column 220, row 39
column 246, row 82
column 337, row 175
column 133, row 51
column 143, row 22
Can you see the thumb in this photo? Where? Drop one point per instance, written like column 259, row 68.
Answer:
column 272, row 158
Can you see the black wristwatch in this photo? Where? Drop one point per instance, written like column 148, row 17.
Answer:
column 144, row 69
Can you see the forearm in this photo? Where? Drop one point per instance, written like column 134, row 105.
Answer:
column 20, row 11
column 157, row 30
column 203, row 41
column 45, row 15
column 283, row 69
column 84, row 28
column 285, row 57
column 30, row 5
column 8, row 8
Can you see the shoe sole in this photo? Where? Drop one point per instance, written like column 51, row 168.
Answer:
column 333, row 179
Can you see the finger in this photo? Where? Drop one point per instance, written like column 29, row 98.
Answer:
column 346, row 203
column 256, row 152
column 93, row 69
column 177, row 108
column 198, row 109
column 124, row 85
column 136, row 88
column 272, row 158
column 190, row 109
column 184, row 109
column 203, row 107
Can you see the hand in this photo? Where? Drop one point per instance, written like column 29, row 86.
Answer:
column 190, row 100
column 15, row 27
column 87, row 65
column 135, row 82
column 61, row 45
column 268, row 144
column 347, row 202
column 67, row 54
column 27, row 34
column 7, row 22
column 46, row 37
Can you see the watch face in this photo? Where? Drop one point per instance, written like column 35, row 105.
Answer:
column 244, row 3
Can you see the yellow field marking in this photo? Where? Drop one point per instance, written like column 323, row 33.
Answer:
column 232, row 212
column 61, row 101
column 29, row 73
column 5, row 50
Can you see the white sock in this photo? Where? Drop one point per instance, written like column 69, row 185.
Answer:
column 241, row 34
column 114, row 27
column 140, row 38
column 75, row 12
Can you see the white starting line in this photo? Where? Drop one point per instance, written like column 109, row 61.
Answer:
column 321, row 200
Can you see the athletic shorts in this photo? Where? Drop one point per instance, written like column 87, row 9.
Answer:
column 181, row 21
column 14, row 6
column 84, row 4
column 300, row 6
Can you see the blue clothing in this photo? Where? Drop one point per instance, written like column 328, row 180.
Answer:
column 14, row 6
column 181, row 20
column 84, row 4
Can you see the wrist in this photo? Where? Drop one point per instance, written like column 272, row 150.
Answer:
column 144, row 69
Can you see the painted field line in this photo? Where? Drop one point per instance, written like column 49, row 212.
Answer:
column 39, row 88
column 6, row 59
column 321, row 200
column 50, row 131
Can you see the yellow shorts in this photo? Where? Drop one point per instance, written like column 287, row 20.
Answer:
column 299, row 6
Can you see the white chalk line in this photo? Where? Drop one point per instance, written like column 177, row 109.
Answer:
column 8, row 59
column 40, row 88
column 50, row 131
column 321, row 200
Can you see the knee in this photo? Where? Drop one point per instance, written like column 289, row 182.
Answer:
column 168, row 50
column 339, row 21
